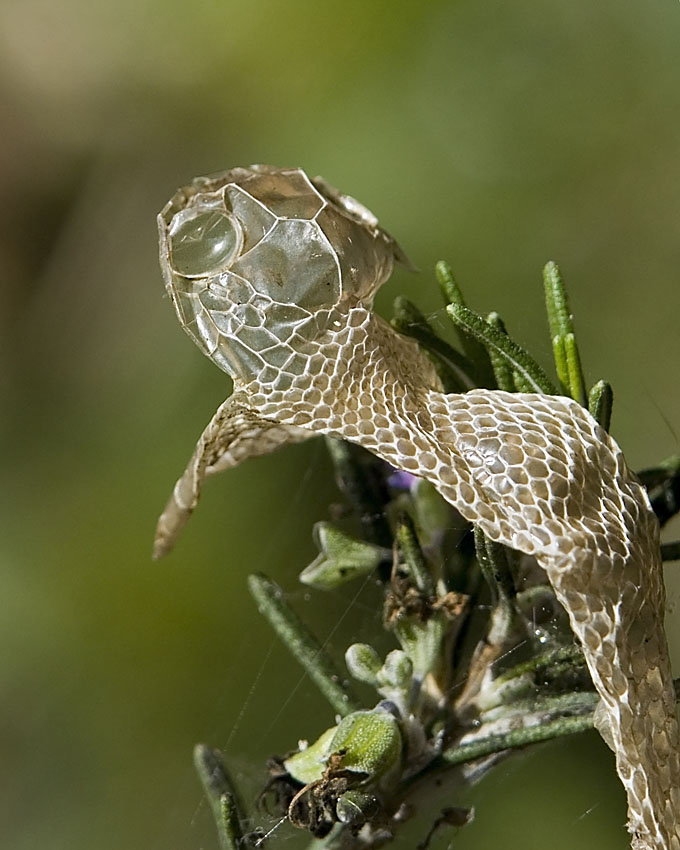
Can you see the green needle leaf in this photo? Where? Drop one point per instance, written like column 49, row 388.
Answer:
column 455, row 371
column 222, row 795
column 517, row 738
column 302, row 644
column 576, row 382
column 447, row 283
column 475, row 351
column 493, row 562
column 523, row 364
column 413, row 556
column 501, row 368
column 565, row 349
column 561, row 365
column 556, row 302
column 600, row 401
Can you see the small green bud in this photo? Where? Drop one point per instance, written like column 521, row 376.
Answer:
column 397, row 671
column 356, row 807
column 422, row 641
column 368, row 742
column 363, row 663
column 371, row 743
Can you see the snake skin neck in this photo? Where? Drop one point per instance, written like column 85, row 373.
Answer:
column 329, row 391
column 538, row 474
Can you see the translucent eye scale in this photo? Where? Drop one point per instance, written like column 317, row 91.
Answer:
column 203, row 243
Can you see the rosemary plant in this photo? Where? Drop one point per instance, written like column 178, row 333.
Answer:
column 458, row 693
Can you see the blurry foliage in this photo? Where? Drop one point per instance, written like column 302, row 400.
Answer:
column 496, row 134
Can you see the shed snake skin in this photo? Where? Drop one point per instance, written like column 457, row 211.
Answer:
column 273, row 276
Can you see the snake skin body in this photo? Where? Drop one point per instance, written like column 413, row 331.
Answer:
column 288, row 316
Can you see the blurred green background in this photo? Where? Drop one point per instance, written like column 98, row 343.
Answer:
column 498, row 135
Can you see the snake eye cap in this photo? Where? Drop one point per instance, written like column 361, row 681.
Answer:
column 203, row 241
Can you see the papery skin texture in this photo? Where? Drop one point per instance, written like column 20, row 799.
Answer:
column 289, row 318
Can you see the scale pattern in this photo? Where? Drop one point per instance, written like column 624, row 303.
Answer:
column 283, row 305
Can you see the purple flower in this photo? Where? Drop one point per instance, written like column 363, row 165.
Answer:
column 400, row 480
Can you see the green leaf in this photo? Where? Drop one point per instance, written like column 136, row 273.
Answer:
column 527, row 369
column 222, row 796
column 600, row 402
column 475, row 352
column 493, row 561
column 556, row 302
column 342, row 558
column 308, row 764
column 301, row 643
column 413, row 557
column 501, row 368
column 521, row 737
column 576, row 381
column 565, row 349
column 455, row 371
column 447, row 283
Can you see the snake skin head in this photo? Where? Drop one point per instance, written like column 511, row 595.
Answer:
column 257, row 262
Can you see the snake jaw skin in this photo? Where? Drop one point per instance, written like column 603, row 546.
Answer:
column 273, row 276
